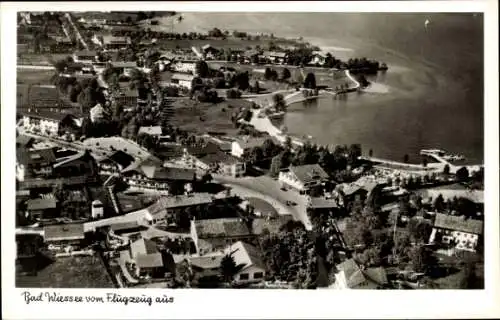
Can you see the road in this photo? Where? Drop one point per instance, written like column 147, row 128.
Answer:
column 268, row 189
column 34, row 67
column 77, row 32
column 63, row 144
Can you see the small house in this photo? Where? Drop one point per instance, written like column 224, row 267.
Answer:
column 209, row 51
column 169, row 205
column 127, row 98
column 80, row 164
column 42, row 208
column 97, row 209
column 149, row 261
column 318, row 58
column 350, row 275
column 85, row 56
column 241, row 146
column 114, row 163
column 250, row 258
column 124, row 67
column 34, row 163
column 182, row 80
column 65, row 237
column 114, row 43
column 212, row 235
column 275, row 57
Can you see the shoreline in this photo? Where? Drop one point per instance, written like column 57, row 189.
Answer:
column 265, row 124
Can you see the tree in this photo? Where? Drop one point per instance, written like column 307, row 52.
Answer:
column 279, row 101
column 424, row 162
column 256, row 87
column 299, row 78
column 468, row 278
column 310, row 81
column 406, row 158
column 285, row 74
column 233, row 94
column 462, row 174
column 62, row 64
column 269, row 148
column 420, row 231
column 288, row 143
column 255, row 155
column 422, row 259
column 446, row 169
column 275, row 165
column 206, row 178
column 146, row 140
column 354, row 153
column 242, row 80
column 201, row 69
column 247, row 115
column 229, row 268
column 439, row 203
column 267, row 73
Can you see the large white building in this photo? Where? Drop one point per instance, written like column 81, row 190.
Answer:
column 457, row 231
column 240, row 146
column 46, row 122
column 184, row 66
column 303, row 178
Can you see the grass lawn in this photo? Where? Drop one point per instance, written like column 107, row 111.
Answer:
column 206, row 117
column 40, row 59
column 31, row 76
column 70, row 272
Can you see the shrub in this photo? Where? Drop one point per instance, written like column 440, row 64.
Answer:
column 233, row 94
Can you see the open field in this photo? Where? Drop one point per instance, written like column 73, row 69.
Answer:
column 33, row 77
column 70, row 272
column 202, row 118
column 40, row 59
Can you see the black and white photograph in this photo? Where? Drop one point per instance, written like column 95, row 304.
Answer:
column 184, row 149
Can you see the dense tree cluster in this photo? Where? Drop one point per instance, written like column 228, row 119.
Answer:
column 291, row 256
column 363, row 65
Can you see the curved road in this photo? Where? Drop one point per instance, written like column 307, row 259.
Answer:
column 268, row 189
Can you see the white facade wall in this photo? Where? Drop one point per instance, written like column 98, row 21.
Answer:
column 185, row 84
column 45, row 126
column 288, row 178
column 340, row 281
column 236, row 149
column 185, row 67
column 464, row 240
column 20, row 172
column 250, row 271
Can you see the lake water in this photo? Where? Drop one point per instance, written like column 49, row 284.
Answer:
column 434, row 87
